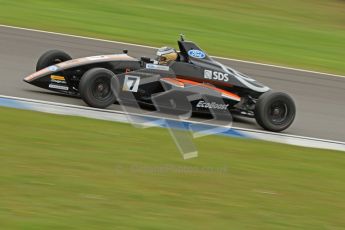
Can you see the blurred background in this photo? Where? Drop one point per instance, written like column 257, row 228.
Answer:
column 308, row 33
column 62, row 172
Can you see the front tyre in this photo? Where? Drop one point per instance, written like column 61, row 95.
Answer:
column 52, row 57
column 275, row 111
column 95, row 88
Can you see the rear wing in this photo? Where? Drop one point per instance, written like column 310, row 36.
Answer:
column 190, row 51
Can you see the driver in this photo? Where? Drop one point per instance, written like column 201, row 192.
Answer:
column 166, row 54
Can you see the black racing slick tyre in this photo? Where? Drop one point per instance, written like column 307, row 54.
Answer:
column 95, row 88
column 51, row 57
column 275, row 111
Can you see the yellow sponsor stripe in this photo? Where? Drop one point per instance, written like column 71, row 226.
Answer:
column 55, row 77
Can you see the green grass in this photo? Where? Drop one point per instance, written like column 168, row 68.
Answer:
column 308, row 34
column 61, row 172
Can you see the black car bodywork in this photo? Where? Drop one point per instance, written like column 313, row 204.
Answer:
column 142, row 79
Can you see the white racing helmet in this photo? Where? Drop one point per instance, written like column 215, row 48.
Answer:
column 166, row 54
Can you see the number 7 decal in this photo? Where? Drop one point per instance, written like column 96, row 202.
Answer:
column 131, row 83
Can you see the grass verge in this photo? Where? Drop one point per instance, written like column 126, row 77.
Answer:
column 75, row 173
column 306, row 34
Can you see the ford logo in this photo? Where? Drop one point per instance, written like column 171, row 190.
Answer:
column 53, row 68
column 196, row 54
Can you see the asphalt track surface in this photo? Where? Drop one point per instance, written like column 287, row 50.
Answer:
column 320, row 98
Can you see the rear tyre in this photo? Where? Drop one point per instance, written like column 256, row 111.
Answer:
column 51, row 57
column 95, row 88
column 275, row 111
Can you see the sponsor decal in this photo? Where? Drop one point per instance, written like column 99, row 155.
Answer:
column 196, row 54
column 61, row 87
column 53, row 68
column 157, row 67
column 214, row 75
column 211, row 105
column 57, row 79
column 208, row 74
column 131, row 83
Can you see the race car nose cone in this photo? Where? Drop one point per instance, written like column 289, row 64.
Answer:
column 28, row 79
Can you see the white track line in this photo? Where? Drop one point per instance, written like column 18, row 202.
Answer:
column 143, row 115
column 151, row 47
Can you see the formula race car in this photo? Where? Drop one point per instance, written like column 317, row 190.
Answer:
column 207, row 85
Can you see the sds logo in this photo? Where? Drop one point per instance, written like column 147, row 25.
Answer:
column 209, row 74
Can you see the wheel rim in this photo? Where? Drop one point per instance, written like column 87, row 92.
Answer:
column 57, row 61
column 101, row 89
column 278, row 112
